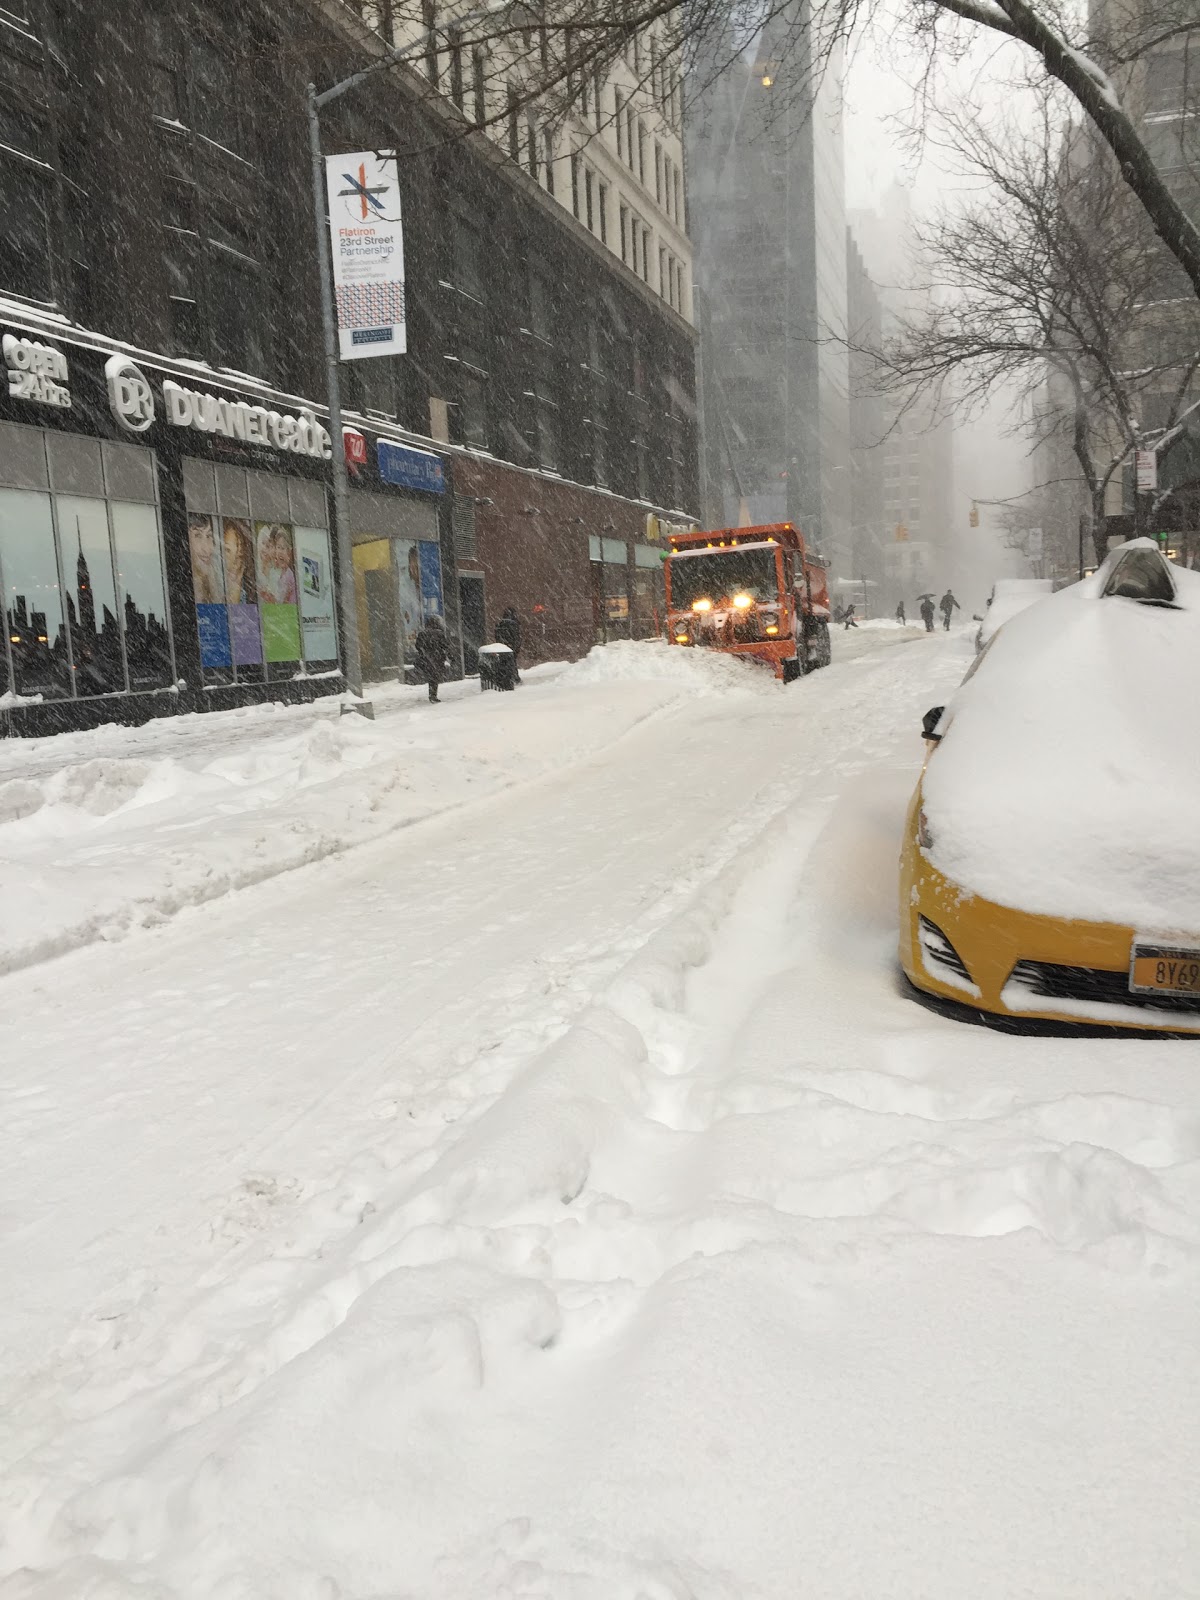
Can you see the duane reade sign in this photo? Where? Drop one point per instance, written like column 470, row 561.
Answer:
column 302, row 435
column 368, row 253
column 129, row 394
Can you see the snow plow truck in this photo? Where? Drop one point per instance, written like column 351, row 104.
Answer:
column 757, row 592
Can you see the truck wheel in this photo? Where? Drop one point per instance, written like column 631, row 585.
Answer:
column 819, row 647
column 791, row 670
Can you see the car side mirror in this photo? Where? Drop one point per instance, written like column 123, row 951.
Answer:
column 929, row 724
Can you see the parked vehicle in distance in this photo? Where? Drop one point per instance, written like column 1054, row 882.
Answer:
column 1050, row 868
column 757, row 592
column 1008, row 598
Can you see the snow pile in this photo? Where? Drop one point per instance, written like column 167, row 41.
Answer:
column 700, row 671
column 115, row 829
column 1071, row 761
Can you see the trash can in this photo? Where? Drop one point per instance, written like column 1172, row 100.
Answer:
column 497, row 667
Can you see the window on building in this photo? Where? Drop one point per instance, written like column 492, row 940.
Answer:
column 602, row 209
column 429, row 19
column 619, row 125
column 457, row 88
column 216, row 102
column 514, row 122
column 641, row 153
column 662, row 272
column 598, row 99
column 658, row 172
column 677, row 186
column 531, row 144
column 479, row 84
column 164, row 56
column 630, row 137
column 466, row 254
column 27, row 201
column 576, row 184
column 589, row 195
column 541, row 305
column 623, row 224
column 548, row 158
column 469, row 414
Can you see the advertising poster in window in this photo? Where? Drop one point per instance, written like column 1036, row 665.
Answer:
column 430, row 559
column 208, row 586
column 276, row 568
column 408, row 579
column 367, row 243
column 316, row 594
column 241, row 592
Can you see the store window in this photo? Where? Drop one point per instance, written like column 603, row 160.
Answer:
column 81, row 568
column 262, row 575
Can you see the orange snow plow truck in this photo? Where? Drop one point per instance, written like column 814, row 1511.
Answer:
column 750, row 592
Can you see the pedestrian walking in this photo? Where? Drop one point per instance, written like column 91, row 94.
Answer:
column 432, row 655
column 508, row 631
column 927, row 612
column 848, row 618
column 949, row 606
column 900, row 617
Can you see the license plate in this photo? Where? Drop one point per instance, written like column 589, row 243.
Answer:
column 1164, row 969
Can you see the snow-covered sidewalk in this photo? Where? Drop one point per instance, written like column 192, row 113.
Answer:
column 559, row 1198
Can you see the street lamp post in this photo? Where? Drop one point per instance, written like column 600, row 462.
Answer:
column 341, row 481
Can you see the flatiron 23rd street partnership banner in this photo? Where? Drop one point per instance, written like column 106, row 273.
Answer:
column 368, row 253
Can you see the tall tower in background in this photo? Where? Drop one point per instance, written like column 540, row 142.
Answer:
column 767, row 186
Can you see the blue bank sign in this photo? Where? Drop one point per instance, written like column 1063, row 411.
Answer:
column 411, row 469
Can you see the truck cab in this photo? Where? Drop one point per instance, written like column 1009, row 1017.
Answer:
column 756, row 592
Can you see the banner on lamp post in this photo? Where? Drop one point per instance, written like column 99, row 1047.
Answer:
column 1147, row 471
column 367, row 242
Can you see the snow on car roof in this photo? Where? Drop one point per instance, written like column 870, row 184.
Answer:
column 1067, row 778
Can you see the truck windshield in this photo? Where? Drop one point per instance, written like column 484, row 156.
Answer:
column 720, row 574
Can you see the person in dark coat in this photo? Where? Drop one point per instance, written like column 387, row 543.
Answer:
column 927, row 613
column 949, row 606
column 900, row 617
column 508, row 631
column 432, row 652
column 848, row 618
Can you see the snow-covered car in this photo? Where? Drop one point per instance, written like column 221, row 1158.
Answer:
column 1008, row 598
column 1051, row 865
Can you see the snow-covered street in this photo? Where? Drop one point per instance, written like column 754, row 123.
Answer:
column 490, row 1152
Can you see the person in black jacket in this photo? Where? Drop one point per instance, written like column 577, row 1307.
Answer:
column 432, row 653
column 508, row 631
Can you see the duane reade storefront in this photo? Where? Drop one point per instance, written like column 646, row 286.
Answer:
column 164, row 542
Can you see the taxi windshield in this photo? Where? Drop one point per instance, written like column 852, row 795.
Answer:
column 718, row 575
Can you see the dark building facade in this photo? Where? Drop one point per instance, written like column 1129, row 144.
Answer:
column 164, row 461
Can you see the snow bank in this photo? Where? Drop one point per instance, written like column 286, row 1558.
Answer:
column 653, row 660
column 1071, row 762
column 115, row 829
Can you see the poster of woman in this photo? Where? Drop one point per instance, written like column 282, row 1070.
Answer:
column 276, row 564
column 206, row 565
column 241, row 583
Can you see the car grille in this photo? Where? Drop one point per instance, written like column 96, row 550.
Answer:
column 937, row 949
column 1092, row 985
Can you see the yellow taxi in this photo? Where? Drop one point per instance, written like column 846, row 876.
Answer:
column 1051, row 866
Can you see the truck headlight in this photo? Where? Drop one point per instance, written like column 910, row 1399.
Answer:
column 742, row 602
